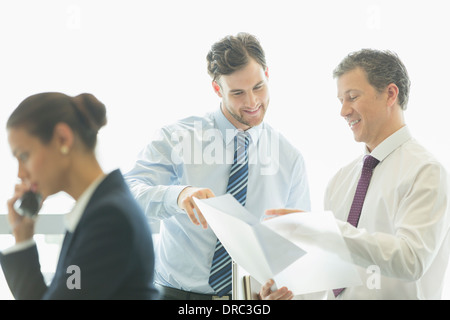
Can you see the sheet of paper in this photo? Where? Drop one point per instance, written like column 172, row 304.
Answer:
column 302, row 251
column 261, row 251
column 327, row 264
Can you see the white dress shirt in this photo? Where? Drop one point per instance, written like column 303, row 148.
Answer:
column 198, row 152
column 402, row 243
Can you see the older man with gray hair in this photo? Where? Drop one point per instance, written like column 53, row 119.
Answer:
column 391, row 203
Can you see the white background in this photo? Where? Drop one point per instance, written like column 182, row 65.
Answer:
column 145, row 60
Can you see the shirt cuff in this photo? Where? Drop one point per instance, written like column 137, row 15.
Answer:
column 19, row 246
column 171, row 199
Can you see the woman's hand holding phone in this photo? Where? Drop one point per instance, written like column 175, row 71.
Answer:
column 22, row 210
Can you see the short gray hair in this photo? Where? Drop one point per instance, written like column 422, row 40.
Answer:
column 382, row 68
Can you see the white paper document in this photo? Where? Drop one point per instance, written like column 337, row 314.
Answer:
column 303, row 251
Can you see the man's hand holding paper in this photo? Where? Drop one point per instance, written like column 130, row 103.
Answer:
column 186, row 202
column 303, row 251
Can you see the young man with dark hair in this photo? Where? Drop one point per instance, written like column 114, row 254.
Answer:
column 231, row 150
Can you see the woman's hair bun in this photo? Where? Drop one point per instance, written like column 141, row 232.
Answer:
column 92, row 110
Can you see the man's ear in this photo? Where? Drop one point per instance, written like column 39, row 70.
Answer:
column 216, row 88
column 392, row 94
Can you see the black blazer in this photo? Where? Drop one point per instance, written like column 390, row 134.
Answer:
column 111, row 247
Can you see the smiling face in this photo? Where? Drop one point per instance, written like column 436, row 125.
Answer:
column 245, row 95
column 371, row 115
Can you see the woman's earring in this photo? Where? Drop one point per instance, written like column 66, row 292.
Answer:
column 64, row 150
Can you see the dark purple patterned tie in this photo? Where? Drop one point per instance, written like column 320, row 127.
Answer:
column 363, row 184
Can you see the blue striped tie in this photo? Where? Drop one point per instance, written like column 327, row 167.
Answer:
column 220, row 277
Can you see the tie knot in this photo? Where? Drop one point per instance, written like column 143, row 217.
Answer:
column 370, row 162
column 241, row 139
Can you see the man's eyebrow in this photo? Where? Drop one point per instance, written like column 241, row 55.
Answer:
column 348, row 91
column 241, row 90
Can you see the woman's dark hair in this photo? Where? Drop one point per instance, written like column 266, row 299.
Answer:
column 40, row 113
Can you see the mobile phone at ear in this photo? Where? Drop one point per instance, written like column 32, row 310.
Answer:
column 29, row 204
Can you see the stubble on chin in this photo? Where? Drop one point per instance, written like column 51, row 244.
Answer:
column 243, row 121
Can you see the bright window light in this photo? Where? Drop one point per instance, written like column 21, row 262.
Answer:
column 146, row 61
